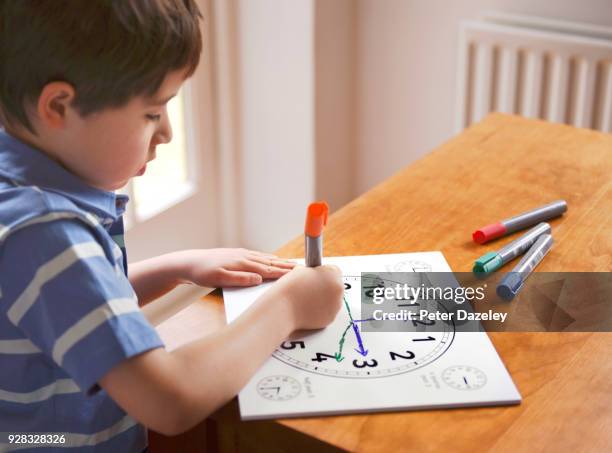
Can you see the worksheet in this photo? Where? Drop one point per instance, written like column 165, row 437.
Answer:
column 351, row 367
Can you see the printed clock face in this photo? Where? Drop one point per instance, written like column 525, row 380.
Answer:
column 279, row 388
column 360, row 348
column 464, row 377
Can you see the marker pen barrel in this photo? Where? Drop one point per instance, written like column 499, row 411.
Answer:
column 519, row 222
column 314, row 251
column 491, row 261
column 511, row 284
column 316, row 219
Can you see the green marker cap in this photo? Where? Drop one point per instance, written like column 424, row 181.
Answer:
column 487, row 263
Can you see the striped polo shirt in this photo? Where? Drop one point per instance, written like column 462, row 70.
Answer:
column 68, row 313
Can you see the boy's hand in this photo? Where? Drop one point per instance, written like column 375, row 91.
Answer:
column 314, row 295
column 231, row 267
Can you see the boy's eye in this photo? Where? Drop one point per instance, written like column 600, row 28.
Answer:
column 153, row 117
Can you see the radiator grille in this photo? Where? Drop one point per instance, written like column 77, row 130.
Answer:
column 552, row 75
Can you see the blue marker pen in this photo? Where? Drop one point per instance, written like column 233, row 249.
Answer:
column 513, row 281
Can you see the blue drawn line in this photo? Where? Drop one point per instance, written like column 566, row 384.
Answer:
column 361, row 349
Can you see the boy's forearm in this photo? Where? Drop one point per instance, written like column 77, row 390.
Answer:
column 172, row 391
column 154, row 277
column 219, row 366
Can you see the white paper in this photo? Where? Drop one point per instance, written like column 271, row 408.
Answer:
column 399, row 371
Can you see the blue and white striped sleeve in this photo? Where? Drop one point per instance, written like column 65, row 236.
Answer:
column 62, row 292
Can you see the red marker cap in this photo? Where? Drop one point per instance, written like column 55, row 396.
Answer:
column 488, row 233
column 316, row 218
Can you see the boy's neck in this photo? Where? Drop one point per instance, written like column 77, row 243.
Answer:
column 30, row 139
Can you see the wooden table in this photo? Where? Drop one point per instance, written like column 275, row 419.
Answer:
column 501, row 166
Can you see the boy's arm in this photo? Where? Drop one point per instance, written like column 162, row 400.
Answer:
column 154, row 277
column 171, row 392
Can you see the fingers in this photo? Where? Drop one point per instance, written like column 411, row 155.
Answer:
column 270, row 256
column 263, row 269
column 239, row 278
column 274, row 261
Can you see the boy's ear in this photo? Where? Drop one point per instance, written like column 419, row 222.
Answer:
column 53, row 104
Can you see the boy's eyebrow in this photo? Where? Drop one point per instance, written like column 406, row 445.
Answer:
column 160, row 101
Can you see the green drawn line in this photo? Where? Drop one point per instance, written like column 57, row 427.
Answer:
column 338, row 354
column 347, row 308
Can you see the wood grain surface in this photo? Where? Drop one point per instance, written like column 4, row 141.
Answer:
column 500, row 167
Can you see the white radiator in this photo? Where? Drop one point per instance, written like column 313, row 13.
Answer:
column 539, row 68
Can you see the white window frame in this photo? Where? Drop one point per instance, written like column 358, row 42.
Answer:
column 189, row 221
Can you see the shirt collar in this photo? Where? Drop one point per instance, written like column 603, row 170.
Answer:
column 29, row 166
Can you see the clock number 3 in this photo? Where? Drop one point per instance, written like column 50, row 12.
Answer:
column 365, row 363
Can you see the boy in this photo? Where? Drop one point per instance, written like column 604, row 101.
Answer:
column 83, row 90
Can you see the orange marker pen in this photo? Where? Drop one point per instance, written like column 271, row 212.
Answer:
column 316, row 219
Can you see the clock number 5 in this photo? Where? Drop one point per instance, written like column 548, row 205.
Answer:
column 292, row 344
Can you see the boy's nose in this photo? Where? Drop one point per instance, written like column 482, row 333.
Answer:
column 164, row 133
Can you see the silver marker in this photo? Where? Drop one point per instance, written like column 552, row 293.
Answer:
column 512, row 283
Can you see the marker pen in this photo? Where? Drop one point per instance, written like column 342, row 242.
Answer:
column 512, row 283
column 519, row 222
column 491, row 261
column 316, row 219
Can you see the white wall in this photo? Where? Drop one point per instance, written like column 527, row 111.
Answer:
column 294, row 130
column 276, row 119
column 406, row 60
column 335, row 102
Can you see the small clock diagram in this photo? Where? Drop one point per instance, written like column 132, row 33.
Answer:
column 279, row 388
column 463, row 377
column 410, row 266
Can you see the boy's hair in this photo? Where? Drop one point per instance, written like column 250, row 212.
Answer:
column 108, row 50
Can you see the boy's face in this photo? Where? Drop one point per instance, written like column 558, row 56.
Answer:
column 108, row 148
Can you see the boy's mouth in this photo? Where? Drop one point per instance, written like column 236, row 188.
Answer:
column 144, row 167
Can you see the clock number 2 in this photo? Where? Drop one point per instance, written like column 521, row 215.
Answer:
column 395, row 355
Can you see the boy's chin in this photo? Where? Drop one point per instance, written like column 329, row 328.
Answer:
column 114, row 186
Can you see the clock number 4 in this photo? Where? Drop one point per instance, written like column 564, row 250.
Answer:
column 321, row 357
